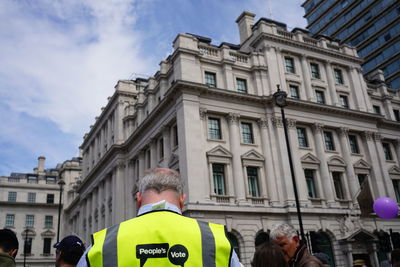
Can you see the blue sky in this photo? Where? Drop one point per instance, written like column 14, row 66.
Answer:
column 61, row 59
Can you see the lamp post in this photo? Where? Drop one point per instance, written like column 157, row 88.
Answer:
column 61, row 183
column 25, row 244
column 280, row 101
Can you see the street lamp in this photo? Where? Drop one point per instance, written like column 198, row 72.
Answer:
column 60, row 183
column 280, row 101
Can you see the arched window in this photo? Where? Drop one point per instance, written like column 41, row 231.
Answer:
column 234, row 243
column 321, row 243
column 261, row 238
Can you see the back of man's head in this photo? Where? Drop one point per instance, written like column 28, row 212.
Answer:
column 160, row 180
column 8, row 240
column 282, row 230
column 70, row 249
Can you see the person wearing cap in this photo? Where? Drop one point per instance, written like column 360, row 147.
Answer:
column 69, row 251
column 160, row 235
column 8, row 248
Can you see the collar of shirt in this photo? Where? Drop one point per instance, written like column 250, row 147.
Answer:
column 162, row 205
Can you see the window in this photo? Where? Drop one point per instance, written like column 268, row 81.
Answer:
column 12, row 196
column 214, row 128
column 210, row 79
column 31, row 197
column 252, row 178
column 354, row 144
column 337, row 181
column 302, row 137
column 396, row 113
column 294, row 91
column 338, row 76
column 309, row 174
column 241, row 85
column 320, row 96
column 289, row 65
column 48, row 221
column 377, row 109
column 247, row 133
column 148, row 158
column 28, row 245
column 32, row 180
column 176, row 139
column 46, row 245
column 29, row 220
column 50, row 180
column 387, row 151
column 396, row 186
column 315, row 71
column 50, row 198
column 329, row 143
column 161, row 148
column 219, row 178
column 10, row 220
column 361, row 178
column 344, row 102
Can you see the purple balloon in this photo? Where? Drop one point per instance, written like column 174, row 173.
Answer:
column 386, row 208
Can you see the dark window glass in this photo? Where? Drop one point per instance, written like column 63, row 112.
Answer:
column 10, row 218
column 354, row 144
column 377, row 109
column 338, row 76
column 387, row 151
column 219, row 179
column 344, row 102
column 302, row 137
column 329, row 143
column 247, row 133
column 27, row 245
column 396, row 113
column 31, row 197
column 337, row 181
column 252, row 177
column 29, row 220
column 48, row 221
column 176, row 139
column 294, row 91
column 361, row 178
column 241, row 85
column 234, row 243
column 46, row 245
column 214, row 128
column 309, row 174
column 289, row 65
column 320, row 97
column 210, row 79
column 50, row 198
column 315, row 71
column 161, row 147
column 396, row 186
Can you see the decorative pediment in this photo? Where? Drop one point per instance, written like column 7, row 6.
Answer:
column 361, row 164
column 394, row 170
column 310, row 158
column 252, row 155
column 361, row 235
column 336, row 161
column 219, row 151
column 48, row 233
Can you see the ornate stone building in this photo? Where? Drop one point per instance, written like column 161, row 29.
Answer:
column 209, row 113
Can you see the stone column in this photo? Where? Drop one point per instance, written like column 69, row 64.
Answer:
column 119, row 128
column 234, row 139
column 208, row 165
column 397, row 150
column 358, row 95
column 329, row 193
column 298, row 168
column 129, row 185
column 167, row 146
column 351, row 177
column 119, row 196
column 331, row 84
column 273, row 70
column 307, row 78
column 101, row 205
column 153, row 153
column 108, row 201
column 89, row 225
column 268, row 161
column 281, row 69
column 228, row 77
column 95, row 209
column 141, row 164
column 388, row 107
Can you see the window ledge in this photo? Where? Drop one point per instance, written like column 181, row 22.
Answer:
column 390, row 161
column 305, row 148
column 216, row 140
column 331, row 151
column 248, row 144
column 357, row 154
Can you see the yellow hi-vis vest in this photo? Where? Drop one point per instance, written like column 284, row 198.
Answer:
column 161, row 238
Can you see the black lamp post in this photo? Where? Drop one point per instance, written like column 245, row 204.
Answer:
column 280, row 101
column 61, row 183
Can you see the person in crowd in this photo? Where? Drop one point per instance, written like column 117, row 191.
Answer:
column 295, row 252
column 268, row 255
column 8, row 248
column 323, row 258
column 395, row 257
column 160, row 235
column 68, row 251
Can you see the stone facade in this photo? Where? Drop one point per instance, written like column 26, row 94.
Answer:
column 209, row 113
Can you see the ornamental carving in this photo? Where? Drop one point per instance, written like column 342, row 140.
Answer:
column 203, row 113
column 343, row 131
column 291, row 123
column 277, row 122
column 377, row 137
column 318, row 127
column 368, row 135
column 233, row 118
column 263, row 122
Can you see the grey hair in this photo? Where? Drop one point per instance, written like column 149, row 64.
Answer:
column 282, row 230
column 160, row 180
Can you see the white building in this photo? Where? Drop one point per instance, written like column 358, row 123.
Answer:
column 29, row 206
column 209, row 113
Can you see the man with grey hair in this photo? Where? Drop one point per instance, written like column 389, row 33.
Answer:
column 294, row 250
column 160, row 235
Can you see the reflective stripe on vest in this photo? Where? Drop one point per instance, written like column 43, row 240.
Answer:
column 161, row 238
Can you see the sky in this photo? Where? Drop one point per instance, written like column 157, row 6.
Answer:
column 60, row 60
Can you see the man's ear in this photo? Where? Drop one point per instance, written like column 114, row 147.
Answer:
column 182, row 199
column 296, row 239
column 13, row 252
column 138, row 199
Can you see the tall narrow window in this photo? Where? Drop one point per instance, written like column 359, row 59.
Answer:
column 387, row 151
column 320, row 95
column 247, row 133
column 252, row 178
column 48, row 221
column 344, row 102
column 396, row 186
column 241, row 85
column 50, row 198
column 315, row 71
column 210, row 79
column 289, row 65
column 31, row 197
column 10, row 218
column 396, row 113
column 377, row 109
column 219, row 179
column 337, row 181
column 309, row 174
column 29, row 220
column 28, row 245
column 214, row 128
column 46, row 245
column 361, row 178
column 294, row 91
column 329, row 143
column 175, row 133
column 354, row 144
column 161, row 148
column 338, row 76
column 12, row 196
column 302, row 137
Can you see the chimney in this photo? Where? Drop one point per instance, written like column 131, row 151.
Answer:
column 41, row 161
column 245, row 21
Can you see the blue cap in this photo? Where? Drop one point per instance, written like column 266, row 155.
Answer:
column 69, row 243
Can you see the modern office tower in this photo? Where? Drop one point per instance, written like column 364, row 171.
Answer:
column 209, row 113
column 373, row 26
column 29, row 204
